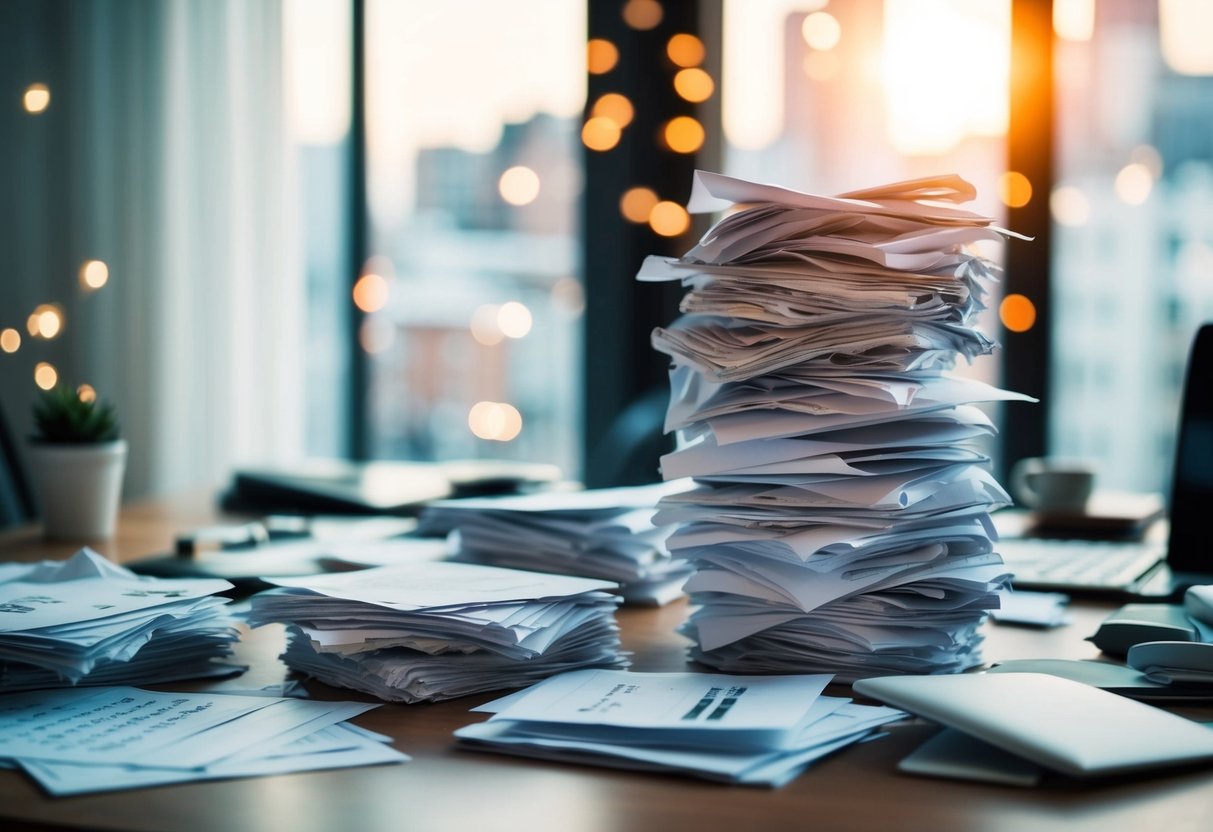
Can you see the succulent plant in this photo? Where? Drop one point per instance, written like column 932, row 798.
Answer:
column 62, row 416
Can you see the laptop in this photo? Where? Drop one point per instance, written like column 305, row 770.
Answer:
column 1135, row 569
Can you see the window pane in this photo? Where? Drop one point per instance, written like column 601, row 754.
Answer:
column 474, row 300
column 1132, row 214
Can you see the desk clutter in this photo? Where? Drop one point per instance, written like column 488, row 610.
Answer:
column 87, row 621
column 841, row 519
column 605, row 533
column 432, row 631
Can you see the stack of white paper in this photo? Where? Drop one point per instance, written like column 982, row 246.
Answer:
column 103, row 739
column 760, row 730
column 841, row 519
column 603, row 533
column 86, row 621
column 440, row 630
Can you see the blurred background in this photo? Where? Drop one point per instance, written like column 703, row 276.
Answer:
column 269, row 230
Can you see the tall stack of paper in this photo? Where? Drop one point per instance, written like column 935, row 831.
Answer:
column 605, row 533
column 86, row 621
column 432, row 631
column 755, row 731
column 841, row 516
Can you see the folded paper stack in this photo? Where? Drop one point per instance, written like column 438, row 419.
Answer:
column 605, row 533
column 431, row 631
column 760, row 731
column 87, row 621
column 841, row 516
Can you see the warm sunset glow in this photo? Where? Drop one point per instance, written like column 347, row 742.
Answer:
column 821, row 31
column 86, row 393
column 946, row 67
column 669, row 219
column 694, row 84
column 600, row 56
column 94, row 274
column 1014, row 189
column 36, row 99
column 497, row 421
column 45, row 375
column 685, row 50
column 637, row 203
column 1069, row 206
column 10, row 340
column 683, row 134
column 616, row 107
column 600, row 133
column 1017, row 313
column 642, row 15
column 371, row 292
column 519, row 185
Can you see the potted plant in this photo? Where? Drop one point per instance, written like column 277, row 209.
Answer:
column 77, row 460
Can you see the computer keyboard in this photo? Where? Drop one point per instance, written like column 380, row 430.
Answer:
column 1077, row 564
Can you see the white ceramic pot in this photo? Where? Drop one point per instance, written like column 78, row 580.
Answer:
column 79, row 488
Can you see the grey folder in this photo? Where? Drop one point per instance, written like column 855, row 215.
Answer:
column 1061, row 725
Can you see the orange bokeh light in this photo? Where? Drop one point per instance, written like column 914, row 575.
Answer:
column 616, row 107
column 694, row 84
column 600, row 133
column 685, row 50
column 1017, row 313
column 683, row 134
column 601, row 56
column 636, row 204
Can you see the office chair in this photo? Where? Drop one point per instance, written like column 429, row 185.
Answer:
column 16, row 504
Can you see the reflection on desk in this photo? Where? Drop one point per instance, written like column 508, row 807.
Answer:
column 445, row 787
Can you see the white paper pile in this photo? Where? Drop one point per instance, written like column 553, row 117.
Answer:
column 440, row 630
column 104, row 739
column 841, row 519
column 762, row 730
column 86, row 621
column 605, row 533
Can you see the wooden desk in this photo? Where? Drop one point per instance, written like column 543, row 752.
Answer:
column 448, row 788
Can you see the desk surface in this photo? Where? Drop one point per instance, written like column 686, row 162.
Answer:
column 445, row 787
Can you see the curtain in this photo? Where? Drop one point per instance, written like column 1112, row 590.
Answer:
column 164, row 154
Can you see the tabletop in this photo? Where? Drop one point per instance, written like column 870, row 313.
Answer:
column 448, row 787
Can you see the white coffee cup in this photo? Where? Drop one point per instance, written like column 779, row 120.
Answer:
column 1060, row 486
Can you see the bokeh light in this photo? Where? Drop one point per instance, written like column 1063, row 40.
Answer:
column 519, row 185
column 36, row 99
column 1014, row 189
column 568, row 297
column 1069, row 206
column 600, row 133
column 497, row 421
column 821, row 31
column 636, row 204
column 616, row 107
column 484, row 326
column 685, row 50
column 46, row 321
column 94, row 274
column 86, row 393
column 1017, row 313
column 683, row 134
column 376, row 335
column 514, row 319
column 642, row 15
column 694, row 84
column 1134, row 183
column 45, row 375
column 669, row 219
column 10, row 340
column 371, row 292
column 601, row 56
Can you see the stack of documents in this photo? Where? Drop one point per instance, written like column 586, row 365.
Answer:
column 86, row 621
column 605, row 533
column 841, row 516
column 440, row 630
column 104, row 739
column 762, row 730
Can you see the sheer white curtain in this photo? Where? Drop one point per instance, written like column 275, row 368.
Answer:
column 180, row 159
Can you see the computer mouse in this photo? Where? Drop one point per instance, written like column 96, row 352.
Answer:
column 1198, row 603
column 1138, row 623
column 1174, row 662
